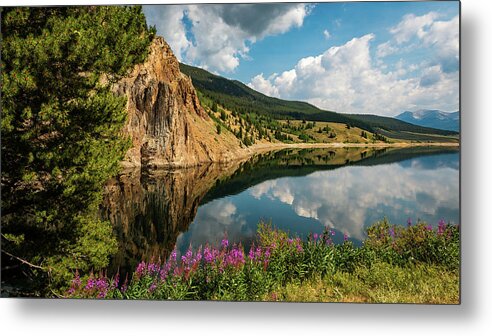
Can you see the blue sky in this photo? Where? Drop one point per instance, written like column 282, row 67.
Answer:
column 360, row 57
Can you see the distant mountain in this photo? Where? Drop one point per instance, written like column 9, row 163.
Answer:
column 432, row 118
column 239, row 97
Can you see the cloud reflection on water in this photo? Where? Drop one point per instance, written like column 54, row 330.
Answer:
column 347, row 199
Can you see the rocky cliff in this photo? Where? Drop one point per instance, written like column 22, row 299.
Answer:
column 166, row 123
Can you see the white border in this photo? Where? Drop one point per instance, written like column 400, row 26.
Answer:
column 472, row 317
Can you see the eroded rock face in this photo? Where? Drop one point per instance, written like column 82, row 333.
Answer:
column 166, row 123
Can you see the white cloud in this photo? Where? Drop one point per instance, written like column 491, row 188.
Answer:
column 326, row 34
column 443, row 36
column 341, row 79
column 440, row 36
column 385, row 49
column 412, row 25
column 346, row 78
column 263, row 85
column 220, row 35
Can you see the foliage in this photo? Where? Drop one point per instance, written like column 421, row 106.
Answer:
column 275, row 261
column 61, row 128
column 415, row 243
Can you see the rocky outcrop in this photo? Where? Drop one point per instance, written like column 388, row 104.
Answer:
column 166, row 123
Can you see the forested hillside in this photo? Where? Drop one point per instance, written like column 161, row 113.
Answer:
column 240, row 98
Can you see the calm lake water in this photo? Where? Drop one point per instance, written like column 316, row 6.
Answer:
column 300, row 191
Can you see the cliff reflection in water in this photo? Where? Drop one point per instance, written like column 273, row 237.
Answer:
column 148, row 212
column 152, row 213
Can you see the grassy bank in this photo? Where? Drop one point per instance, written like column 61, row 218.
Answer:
column 378, row 283
column 395, row 264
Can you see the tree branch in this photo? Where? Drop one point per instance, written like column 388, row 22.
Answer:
column 23, row 261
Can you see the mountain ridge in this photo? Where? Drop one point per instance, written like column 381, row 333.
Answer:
column 236, row 95
column 432, row 118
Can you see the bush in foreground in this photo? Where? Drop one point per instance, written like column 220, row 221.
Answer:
column 277, row 266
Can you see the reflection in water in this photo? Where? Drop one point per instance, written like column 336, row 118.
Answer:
column 300, row 191
column 149, row 212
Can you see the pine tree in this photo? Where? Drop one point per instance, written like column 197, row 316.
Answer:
column 61, row 129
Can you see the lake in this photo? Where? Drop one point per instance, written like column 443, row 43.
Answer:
column 301, row 191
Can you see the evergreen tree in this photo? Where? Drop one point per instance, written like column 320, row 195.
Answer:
column 223, row 115
column 61, row 131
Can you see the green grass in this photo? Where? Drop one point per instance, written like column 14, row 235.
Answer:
column 378, row 283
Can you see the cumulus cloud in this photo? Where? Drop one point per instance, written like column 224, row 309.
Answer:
column 347, row 78
column 263, row 85
column 386, row 49
column 412, row 25
column 216, row 37
column 342, row 79
column 426, row 31
column 326, row 34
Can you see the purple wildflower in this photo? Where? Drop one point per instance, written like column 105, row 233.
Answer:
column 91, row 283
column 258, row 253
column 345, row 237
column 332, row 232
column 298, row 245
column 441, row 227
column 116, row 280
column 152, row 268
column 315, row 237
column 392, row 232
column 235, row 257
column 428, row 227
column 187, row 258
column 224, row 243
column 141, row 269
column 251, row 254
column 152, row 287
column 173, row 255
column 102, row 286
column 208, row 255
column 165, row 270
column 76, row 281
column 409, row 222
column 197, row 259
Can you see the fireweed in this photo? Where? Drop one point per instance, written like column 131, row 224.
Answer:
column 274, row 259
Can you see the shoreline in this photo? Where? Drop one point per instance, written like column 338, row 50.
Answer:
column 247, row 152
column 264, row 146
